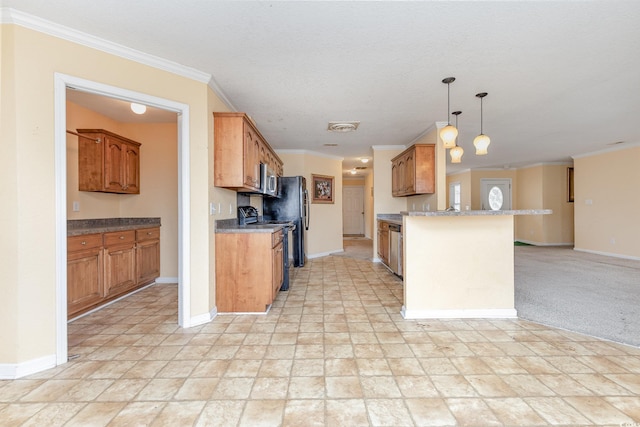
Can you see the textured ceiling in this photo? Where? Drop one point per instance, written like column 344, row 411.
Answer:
column 563, row 77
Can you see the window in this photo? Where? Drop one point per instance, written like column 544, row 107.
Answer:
column 454, row 195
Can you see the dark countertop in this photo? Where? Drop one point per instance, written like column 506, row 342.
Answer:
column 231, row 226
column 78, row 227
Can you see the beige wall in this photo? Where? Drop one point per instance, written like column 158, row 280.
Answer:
column 607, row 202
column 325, row 220
column 158, row 179
column 369, row 222
column 27, row 324
column 529, row 228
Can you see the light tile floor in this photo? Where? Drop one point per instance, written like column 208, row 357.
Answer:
column 332, row 351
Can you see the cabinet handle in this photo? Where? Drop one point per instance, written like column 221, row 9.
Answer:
column 149, row 233
column 83, row 243
column 121, row 237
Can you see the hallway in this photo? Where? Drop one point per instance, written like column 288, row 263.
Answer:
column 332, row 351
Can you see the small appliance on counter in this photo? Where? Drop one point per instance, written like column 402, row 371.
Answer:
column 248, row 215
column 291, row 205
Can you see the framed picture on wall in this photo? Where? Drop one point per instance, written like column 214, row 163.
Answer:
column 570, row 185
column 322, row 189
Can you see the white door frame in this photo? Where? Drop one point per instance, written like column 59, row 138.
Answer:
column 61, row 83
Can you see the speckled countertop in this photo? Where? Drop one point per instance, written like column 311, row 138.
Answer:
column 78, row 227
column 480, row 213
column 231, row 226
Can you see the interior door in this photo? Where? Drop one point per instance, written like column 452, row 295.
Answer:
column 496, row 194
column 353, row 210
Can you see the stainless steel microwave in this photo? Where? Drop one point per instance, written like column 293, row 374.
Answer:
column 268, row 181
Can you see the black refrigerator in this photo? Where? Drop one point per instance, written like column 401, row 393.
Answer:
column 291, row 205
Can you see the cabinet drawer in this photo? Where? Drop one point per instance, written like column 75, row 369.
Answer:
column 147, row 234
column 79, row 243
column 276, row 238
column 119, row 238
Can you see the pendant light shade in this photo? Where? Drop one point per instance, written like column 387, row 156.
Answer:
column 456, row 152
column 482, row 141
column 449, row 133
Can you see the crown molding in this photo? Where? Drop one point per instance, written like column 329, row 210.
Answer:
column 388, row 147
column 611, row 149
column 16, row 17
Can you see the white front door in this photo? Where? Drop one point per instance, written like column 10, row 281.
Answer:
column 496, row 194
column 353, row 210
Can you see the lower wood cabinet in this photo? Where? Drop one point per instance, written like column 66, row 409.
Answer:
column 383, row 242
column 104, row 266
column 249, row 270
column 84, row 272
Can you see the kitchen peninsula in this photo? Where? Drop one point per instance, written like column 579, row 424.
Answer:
column 459, row 264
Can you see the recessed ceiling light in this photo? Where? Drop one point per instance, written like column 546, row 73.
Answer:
column 343, row 126
column 365, row 160
column 353, row 172
column 138, row 108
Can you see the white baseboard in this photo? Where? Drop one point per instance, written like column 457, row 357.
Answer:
column 203, row 318
column 12, row 371
column 164, row 280
column 321, row 254
column 490, row 313
column 531, row 242
column 635, row 258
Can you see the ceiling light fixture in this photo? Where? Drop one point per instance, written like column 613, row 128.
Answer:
column 138, row 108
column 343, row 126
column 365, row 160
column 457, row 151
column 482, row 141
column 448, row 133
column 353, row 172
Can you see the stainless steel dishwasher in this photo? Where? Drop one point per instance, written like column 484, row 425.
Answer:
column 395, row 248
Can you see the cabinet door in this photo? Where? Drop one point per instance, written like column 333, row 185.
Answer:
column 119, row 262
column 278, row 268
column 148, row 261
column 84, row 280
column 131, row 169
column 113, row 163
column 251, row 158
column 410, row 173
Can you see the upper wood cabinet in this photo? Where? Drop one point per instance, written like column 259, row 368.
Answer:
column 413, row 171
column 238, row 149
column 108, row 162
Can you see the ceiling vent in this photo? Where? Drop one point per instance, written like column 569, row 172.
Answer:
column 360, row 168
column 343, row 126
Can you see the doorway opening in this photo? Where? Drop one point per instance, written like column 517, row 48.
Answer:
column 353, row 211
column 63, row 82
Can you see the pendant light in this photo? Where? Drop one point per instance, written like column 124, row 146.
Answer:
column 482, row 141
column 457, row 151
column 448, row 133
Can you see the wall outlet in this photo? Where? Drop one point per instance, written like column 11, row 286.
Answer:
column 230, row 208
column 76, row 206
column 212, row 208
column 588, row 202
